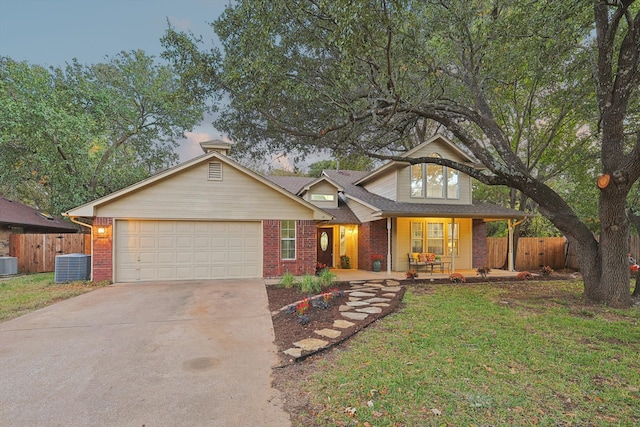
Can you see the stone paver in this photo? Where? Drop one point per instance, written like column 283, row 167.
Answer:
column 329, row 333
column 391, row 288
column 342, row 324
column 362, row 294
column 389, row 295
column 355, row 316
column 355, row 299
column 370, row 310
column 311, row 344
column 345, row 308
column 380, row 304
column 357, row 303
column 293, row 352
column 374, row 300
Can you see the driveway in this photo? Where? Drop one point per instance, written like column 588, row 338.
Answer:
column 156, row 354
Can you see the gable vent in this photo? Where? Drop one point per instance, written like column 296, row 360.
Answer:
column 215, row 171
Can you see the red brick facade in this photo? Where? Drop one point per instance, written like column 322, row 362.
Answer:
column 102, row 257
column 306, row 255
column 372, row 239
column 479, row 244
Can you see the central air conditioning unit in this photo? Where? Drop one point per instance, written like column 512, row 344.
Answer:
column 72, row 267
column 8, row 265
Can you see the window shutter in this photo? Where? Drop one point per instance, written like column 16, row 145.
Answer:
column 215, row 171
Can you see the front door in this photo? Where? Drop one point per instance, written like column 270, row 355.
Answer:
column 325, row 246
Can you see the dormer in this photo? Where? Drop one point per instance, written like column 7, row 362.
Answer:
column 322, row 192
column 424, row 182
column 216, row 145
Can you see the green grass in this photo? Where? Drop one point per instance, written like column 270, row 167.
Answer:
column 511, row 354
column 23, row 294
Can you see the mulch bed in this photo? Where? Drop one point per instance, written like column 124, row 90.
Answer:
column 288, row 330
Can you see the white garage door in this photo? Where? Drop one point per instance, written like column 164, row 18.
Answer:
column 187, row 250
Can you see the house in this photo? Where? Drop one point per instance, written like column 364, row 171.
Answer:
column 213, row 218
column 16, row 218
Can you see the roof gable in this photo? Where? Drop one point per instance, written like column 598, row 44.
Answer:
column 149, row 188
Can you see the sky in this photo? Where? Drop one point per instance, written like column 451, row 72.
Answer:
column 53, row 32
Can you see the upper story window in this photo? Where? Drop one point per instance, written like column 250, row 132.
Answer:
column 440, row 182
column 322, row 197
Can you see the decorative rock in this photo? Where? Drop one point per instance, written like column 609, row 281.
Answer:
column 295, row 352
column 370, row 310
column 372, row 300
column 391, row 288
column 329, row 333
column 362, row 294
column 342, row 324
column 355, row 316
column 392, row 283
column 311, row 344
column 345, row 308
column 389, row 295
column 357, row 303
column 381, row 304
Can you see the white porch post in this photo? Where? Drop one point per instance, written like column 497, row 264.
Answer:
column 453, row 236
column 510, row 243
column 389, row 246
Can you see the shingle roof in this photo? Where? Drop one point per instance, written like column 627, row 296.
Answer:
column 19, row 215
column 293, row 184
column 392, row 208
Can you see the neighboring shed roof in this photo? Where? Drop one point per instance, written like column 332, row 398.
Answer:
column 19, row 215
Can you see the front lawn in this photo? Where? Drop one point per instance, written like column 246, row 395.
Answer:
column 23, row 294
column 522, row 353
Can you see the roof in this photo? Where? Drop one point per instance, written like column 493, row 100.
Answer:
column 19, row 215
column 88, row 209
column 391, row 208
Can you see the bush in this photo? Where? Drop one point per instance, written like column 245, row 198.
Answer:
column 457, row 278
column 546, row 270
column 288, row 280
column 411, row 274
column 524, row 275
column 309, row 284
column 483, row 271
column 326, row 278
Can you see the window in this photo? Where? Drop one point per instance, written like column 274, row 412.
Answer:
column 440, row 182
column 322, row 197
column 288, row 239
column 416, row 181
column 417, row 237
column 435, row 238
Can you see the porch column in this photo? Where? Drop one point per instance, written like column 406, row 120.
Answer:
column 389, row 246
column 453, row 235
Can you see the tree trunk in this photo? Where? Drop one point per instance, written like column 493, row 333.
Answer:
column 612, row 288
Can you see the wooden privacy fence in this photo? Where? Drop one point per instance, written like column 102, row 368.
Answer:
column 533, row 252
column 36, row 253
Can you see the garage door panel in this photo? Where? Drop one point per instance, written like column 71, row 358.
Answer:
column 183, row 250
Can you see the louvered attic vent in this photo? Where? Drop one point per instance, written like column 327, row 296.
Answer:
column 215, row 171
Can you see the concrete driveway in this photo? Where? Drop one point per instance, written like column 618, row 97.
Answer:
column 156, row 354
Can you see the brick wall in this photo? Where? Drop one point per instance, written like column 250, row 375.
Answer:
column 372, row 239
column 102, row 258
column 479, row 243
column 306, row 255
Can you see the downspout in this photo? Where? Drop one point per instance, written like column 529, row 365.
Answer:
column 388, row 246
column 511, row 226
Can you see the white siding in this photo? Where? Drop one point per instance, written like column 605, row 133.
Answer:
column 189, row 194
column 385, row 186
column 323, row 188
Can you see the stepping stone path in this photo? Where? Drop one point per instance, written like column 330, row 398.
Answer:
column 365, row 298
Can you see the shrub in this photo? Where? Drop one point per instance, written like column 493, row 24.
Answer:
column 524, row 275
column 457, row 278
column 309, row 284
column 411, row 274
column 546, row 270
column 326, row 278
column 483, row 271
column 288, row 280
column 320, row 267
column 345, row 262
